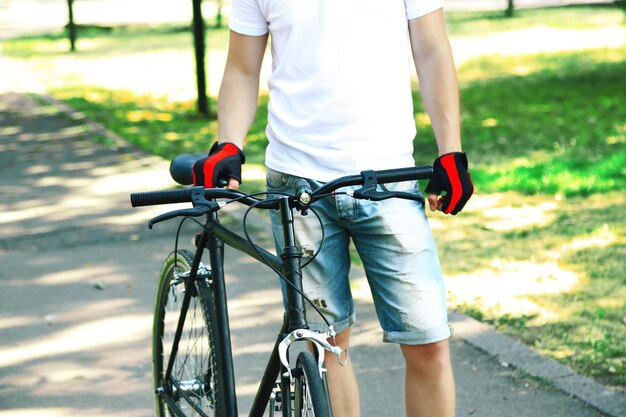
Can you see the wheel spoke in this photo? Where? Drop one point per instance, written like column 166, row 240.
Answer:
column 191, row 388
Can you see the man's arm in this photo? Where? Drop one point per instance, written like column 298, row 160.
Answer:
column 239, row 91
column 437, row 76
column 439, row 89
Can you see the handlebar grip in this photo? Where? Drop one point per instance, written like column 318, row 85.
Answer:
column 404, row 174
column 154, row 198
column 182, row 165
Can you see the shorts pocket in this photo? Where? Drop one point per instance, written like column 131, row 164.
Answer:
column 276, row 181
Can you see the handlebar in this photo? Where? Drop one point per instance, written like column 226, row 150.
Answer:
column 377, row 177
column 156, row 198
column 195, row 194
column 181, row 166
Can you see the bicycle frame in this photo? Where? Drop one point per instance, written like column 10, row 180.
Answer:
column 213, row 238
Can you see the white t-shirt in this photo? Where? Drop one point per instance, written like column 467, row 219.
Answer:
column 340, row 89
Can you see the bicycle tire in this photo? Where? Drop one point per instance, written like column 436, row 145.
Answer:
column 310, row 391
column 194, row 388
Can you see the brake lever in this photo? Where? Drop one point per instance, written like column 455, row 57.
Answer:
column 368, row 191
column 192, row 212
column 200, row 206
column 384, row 195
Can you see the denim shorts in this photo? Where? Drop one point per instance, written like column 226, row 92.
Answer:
column 393, row 240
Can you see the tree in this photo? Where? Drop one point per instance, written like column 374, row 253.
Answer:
column 510, row 9
column 199, row 48
column 218, row 17
column 71, row 27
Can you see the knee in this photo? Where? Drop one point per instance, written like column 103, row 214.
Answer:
column 343, row 339
column 432, row 358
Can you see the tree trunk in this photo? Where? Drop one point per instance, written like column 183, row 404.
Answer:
column 198, row 36
column 218, row 18
column 71, row 27
column 510, row 9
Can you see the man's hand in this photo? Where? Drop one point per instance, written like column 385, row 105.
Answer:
column 221, row 167
column 450, row 175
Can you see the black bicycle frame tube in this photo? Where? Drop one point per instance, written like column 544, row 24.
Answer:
column 270, row 375
column 291, row 257
column 285, row 383
column 242, row 245
column 295, row 317
column 184, row 307
column 224, row 351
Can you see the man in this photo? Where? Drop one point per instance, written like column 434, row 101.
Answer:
column 340, row 102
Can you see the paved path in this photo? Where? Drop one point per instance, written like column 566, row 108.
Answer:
column 79, row 272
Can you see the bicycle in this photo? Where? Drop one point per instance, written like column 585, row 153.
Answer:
column 192, row 356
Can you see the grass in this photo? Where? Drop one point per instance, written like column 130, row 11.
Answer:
column 558, row 129
column 109, row 41
column 574, row 17
column 555, row 280
column 163, row 127
column 540, row 251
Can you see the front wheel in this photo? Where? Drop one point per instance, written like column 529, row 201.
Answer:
column 311, row 395
column 193, row 388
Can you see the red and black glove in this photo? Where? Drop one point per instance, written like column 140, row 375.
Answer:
column 450, row 175
column 223, row 162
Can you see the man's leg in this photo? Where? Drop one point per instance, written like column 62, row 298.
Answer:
column 344, row 392
column 430, row 388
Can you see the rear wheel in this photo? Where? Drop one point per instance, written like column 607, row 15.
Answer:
column 310, row 392
column 193, row 388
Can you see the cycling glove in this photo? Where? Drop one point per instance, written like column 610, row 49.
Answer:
column 223, row 162
column 450, row 175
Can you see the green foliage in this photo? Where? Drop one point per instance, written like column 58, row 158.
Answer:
column 98, row 41
column 572, row 17
column 558, row 130
column 471, row 309
column 162, row 127
column 582, row 325
column 588, row 345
